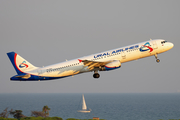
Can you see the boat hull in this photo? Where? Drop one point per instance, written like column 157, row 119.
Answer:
column 84, row 111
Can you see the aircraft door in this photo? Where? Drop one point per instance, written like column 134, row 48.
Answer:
column 39, row 72
column 123, row 55
column 154, row 44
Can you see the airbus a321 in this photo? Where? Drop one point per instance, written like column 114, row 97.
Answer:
column 104, row 61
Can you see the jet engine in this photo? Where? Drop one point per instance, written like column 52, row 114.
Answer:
column 111, row 66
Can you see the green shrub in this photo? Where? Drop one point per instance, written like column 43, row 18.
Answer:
column 53, row 118
column 72, row 119
column 57, row 118
column 32, row 118
column 1, row 118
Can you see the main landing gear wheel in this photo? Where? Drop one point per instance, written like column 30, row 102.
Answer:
column 96, row 75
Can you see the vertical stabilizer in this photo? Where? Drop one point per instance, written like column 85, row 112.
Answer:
column 20, row 64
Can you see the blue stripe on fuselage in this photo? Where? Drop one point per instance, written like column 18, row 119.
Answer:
column 34, row 78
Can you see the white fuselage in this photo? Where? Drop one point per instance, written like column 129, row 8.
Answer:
column 123, row 54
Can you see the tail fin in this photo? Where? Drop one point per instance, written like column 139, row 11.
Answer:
column 20, row 64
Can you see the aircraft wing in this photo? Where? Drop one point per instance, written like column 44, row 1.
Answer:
column 92, row 64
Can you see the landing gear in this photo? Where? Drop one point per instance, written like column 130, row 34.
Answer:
column 96, row 74
column 157, row 60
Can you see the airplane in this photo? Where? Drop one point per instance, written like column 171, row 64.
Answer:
column 104, row 61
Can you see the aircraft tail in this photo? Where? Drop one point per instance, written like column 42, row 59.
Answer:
column 20, row 64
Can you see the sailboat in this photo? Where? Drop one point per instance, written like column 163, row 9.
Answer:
column 84, row 107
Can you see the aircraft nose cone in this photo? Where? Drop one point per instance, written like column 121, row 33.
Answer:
column 171, row 45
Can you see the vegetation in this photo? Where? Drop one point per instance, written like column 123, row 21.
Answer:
column 46, row 110
column 17, row 114
column 35, row 115
column 5, row 113
column 82, row 119
column 33, row 118
column 38, row 114
column 41, row 118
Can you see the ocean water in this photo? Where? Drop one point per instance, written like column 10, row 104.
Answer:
column 105, row 106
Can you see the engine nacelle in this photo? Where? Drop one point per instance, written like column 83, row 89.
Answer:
column 111, row 66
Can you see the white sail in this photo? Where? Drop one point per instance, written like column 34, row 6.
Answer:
column 84, row 107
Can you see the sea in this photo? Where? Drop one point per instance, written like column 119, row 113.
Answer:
column 108, row 106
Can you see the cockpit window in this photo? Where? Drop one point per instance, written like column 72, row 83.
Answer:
column 163, row 42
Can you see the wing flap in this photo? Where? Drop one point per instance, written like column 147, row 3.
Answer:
column 92, row 64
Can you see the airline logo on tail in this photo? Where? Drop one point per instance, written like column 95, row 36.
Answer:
column 23, row 64
column 146, row 47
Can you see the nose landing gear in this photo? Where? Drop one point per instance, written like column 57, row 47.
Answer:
column 157, row 60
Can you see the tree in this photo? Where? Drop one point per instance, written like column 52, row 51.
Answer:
column 5, row 113
column 17, row 114
column 46, row 110
column 38, row 114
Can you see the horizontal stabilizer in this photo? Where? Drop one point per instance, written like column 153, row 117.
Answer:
column 25, row 76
